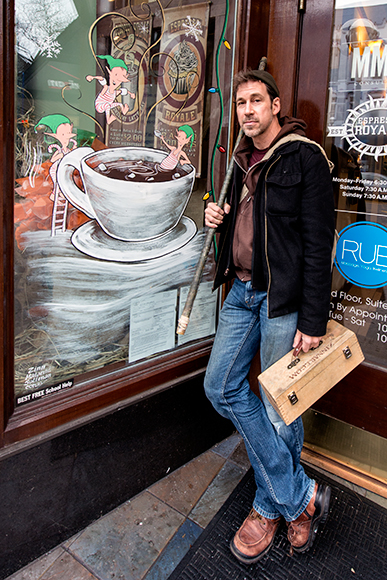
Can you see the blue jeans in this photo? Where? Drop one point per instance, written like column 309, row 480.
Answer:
column 274, row 449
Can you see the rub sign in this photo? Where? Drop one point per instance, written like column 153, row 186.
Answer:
column 365, row 128
column 361, row 254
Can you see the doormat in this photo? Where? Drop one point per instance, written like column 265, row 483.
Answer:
column 352, row 544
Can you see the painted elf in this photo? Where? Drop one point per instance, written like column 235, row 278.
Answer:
column 106, row 100
column 61, row 129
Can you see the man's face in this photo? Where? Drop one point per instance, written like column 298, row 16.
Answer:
column 255, row 111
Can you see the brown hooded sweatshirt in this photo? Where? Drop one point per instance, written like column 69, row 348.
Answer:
column 249, row 159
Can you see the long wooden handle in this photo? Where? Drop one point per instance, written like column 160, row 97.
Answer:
column 184, row 318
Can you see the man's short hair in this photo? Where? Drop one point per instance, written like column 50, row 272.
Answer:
column 256, row 75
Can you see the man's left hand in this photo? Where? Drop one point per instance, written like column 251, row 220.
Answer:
column 305, row 342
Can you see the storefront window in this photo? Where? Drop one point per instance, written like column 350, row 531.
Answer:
column 118, row 143
column 357, row 140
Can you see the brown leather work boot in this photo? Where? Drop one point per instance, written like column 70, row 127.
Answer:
column 303, row 530
column 254, row 538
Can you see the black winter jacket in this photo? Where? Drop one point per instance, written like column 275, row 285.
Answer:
column 293, row 232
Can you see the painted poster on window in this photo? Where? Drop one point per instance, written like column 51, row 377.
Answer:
column 131, row 40
column 180, row 92
column 107, row 229
column 357, row 140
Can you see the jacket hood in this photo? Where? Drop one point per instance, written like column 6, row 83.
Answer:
column 289, row 125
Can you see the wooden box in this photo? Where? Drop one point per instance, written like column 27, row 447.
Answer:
column 293, row 384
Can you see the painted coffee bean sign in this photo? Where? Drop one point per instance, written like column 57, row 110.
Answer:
column 357, row 144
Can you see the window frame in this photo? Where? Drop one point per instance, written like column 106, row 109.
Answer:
column 102, row 391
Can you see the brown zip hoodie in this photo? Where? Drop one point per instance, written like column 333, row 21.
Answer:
column 244, row 228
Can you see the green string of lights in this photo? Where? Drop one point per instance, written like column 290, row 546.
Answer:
column 217, row 90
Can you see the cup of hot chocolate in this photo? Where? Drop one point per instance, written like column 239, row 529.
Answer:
column 125, row 190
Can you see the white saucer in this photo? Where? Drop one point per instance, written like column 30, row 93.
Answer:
column 90, row 239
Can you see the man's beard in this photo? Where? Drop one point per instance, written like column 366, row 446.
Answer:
column 257, row 130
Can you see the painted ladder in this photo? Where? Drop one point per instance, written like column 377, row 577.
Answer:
column 59, row 212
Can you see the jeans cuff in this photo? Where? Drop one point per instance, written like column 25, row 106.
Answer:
column 265, row 514
column 307, row 499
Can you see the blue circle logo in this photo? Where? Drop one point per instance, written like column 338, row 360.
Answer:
column 361, row 254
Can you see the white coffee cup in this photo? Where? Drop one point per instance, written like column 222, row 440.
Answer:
column 125, row 209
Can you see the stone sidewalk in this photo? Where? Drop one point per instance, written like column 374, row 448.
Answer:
column 147, row 536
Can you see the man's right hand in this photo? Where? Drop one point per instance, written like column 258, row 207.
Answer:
column 213, row 214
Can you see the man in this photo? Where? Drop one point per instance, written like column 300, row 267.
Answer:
column 276, row 241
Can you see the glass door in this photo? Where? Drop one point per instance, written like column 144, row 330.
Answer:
column 357, row 141
column 339, row 89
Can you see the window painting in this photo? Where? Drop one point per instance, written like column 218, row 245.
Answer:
column 114, row 158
